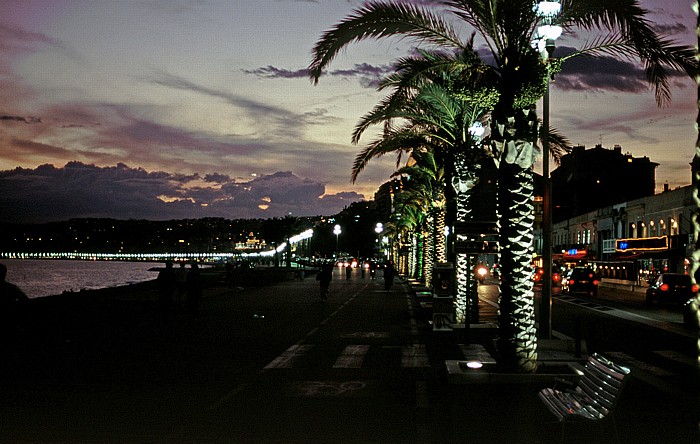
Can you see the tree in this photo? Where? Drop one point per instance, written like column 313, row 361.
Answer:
column 508, row 28
column 695, row 271
column 426, row 185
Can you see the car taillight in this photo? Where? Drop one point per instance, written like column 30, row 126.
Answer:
column 572, row 282
column 556, row 277
column 694, row 288
column 663, row 287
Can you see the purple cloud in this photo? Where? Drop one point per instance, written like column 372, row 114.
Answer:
column 76, row 190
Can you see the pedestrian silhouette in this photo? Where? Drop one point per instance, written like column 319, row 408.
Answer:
column 167, row 285
column 12, row 305
column 181, row 275
column 389, row 273
column 193, row 286
column 324, row 276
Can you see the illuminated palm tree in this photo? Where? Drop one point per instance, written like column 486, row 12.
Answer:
column 426, row 185
column 440, row 107
column 508, row 27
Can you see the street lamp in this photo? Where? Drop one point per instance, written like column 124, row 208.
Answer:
column 379, row 228
column 336, row 231
column 547, row 33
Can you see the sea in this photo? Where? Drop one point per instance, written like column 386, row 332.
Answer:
column 46, row 277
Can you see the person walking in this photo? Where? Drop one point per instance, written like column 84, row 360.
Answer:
column 181, row 275
column 193, row 290
column 12, row 304
column 324, row 276
column 389, row 272
column 167, row 285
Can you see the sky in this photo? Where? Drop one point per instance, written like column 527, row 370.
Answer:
column 169, row 109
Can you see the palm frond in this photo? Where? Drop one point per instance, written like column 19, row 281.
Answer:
column 635, row 36
column 382, row 19
column 399, row 142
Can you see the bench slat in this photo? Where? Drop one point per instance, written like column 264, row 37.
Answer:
column 594, row 397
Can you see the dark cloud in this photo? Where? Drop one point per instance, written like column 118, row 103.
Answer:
column 366, row 74
column 603, row 73
column 671, row 29
column 47, row 193
column 270, row 72
column 29, row 120
column 14, row 39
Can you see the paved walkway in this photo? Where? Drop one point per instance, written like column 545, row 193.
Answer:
column 275, row 364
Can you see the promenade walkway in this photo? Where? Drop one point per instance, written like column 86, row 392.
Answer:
column 269, row 363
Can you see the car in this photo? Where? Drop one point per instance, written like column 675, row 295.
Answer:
column 671, row 287
column 539, row 273
column 581, row 280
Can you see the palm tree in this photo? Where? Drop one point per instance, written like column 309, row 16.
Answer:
column 695, row 272
column 427, row 187
column 439, row 107
column 508, row 27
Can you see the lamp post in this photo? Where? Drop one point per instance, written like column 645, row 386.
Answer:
column 378, row 229
column 336, row 231
column 548, row 32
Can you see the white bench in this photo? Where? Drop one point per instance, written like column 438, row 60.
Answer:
column 593, row 398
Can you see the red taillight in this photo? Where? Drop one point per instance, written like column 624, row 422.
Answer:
column 595, row 282
column 694, row 288
column 663, row 287
column 572, row 282
column 556, row 277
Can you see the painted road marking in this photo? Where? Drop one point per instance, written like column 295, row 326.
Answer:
column 286, row 359
column 352, row 357
column 328, row 388
column 366, row 334
column 414, row 355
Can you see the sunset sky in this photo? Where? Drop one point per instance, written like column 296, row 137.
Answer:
column 165, row 109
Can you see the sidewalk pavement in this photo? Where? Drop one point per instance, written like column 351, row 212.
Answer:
column 85, row 356
column 649, row 411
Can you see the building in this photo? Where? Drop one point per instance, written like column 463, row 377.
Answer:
column 597, row 178
column 629, row 242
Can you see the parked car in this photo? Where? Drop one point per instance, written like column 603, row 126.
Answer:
column 580, row 280
column 539, row 273
column 671, row 287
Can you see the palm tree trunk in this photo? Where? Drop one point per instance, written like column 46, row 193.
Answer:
column 517, row 341
column 429, row 251
column 463, row 184
column 695, row 263
column 439, row 236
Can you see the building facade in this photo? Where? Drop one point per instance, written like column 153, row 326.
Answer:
column 588, row 179
column 631, row 241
